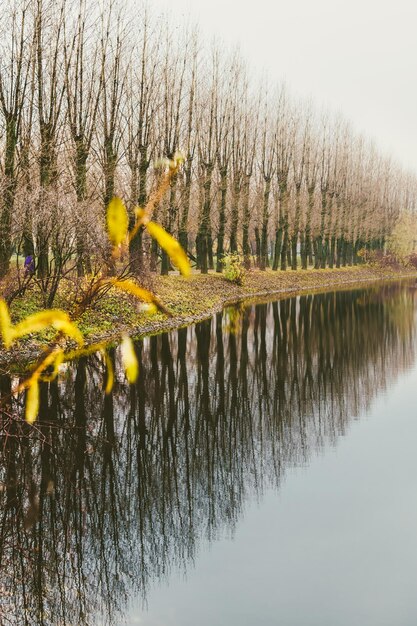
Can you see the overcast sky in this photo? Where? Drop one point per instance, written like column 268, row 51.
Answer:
column 358, row 57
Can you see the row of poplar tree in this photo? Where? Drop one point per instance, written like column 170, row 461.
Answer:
column 91, row 98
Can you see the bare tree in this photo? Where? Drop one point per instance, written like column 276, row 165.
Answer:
column 141, row 109
column 267, row 167
column 83, row 85
column 310, row 173
column 285, row 138
column 49, row 26
column 207, row 151
column 299, row 167
column 16, row 54
column 173, row 84
column 223, row 148
column 190, row 144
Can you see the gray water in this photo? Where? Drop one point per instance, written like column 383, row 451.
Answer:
column 261, row 471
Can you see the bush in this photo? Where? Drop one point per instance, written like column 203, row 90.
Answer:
column 234, row 270
column 412, row 260
column 386, row 259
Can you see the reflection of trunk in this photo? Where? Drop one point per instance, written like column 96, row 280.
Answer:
column 9, row 445
column 243, row 365
column 168, row 379
column 220, row 381
column 263, row 352
column 80, row 419
column 203, row 335
column 183, row 396
column 109, row 436
column 234, row 413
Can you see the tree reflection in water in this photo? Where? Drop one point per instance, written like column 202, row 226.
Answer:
column 107, row 493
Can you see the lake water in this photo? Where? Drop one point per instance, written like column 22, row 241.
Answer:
column 262, row 470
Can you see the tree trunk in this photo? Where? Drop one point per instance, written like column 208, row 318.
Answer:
column 83, row 257
column 222, row 219
column 264, row 260
column 9, row 191
column 246, row 223
column 136, row 244
column 204, row 228
column 183, row 229
column 294, row 236
column 277, row 248
column 235, row 213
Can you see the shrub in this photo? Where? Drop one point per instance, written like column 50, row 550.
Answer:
column 412, row 260
column 386, row 259
column 234, row 270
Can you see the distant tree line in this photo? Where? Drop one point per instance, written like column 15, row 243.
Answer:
column 90, row 98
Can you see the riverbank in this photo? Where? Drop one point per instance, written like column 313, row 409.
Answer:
column 194, row 299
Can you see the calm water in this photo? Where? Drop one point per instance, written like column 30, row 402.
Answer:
column 263, row 470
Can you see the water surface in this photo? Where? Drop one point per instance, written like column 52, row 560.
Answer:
column 262, row 470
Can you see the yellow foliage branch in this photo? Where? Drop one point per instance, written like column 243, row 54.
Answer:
column 117, row 228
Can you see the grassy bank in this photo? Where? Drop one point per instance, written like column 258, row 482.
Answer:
column 191, row 300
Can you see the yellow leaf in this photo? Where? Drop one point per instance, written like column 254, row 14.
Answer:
column 139, row 213
column 55, row 359
column 129, row 360
column 117, row 221
column 134, row 289
column 32, row 401
column 142, row 294
column 171, row 247
column 51, row 317
column 78, row 353
column 6, row 327
column 110, row 374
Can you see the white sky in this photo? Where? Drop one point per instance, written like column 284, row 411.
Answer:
column 358, row 57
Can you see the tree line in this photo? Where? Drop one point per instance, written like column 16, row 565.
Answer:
column 91, row 98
